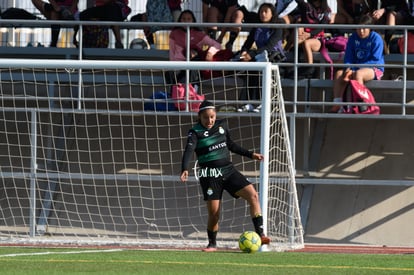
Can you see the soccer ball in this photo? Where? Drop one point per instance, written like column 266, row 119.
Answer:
column 249, row 242
column 139, row 44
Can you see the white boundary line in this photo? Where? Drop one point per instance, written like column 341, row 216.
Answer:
column 60, row 252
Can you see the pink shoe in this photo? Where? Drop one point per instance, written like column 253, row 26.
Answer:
column 210, row 248
column 265, row 240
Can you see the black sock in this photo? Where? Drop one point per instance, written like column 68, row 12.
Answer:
column 212, row 235
column 258, row 224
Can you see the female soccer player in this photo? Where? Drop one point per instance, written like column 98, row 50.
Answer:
column 211, row 141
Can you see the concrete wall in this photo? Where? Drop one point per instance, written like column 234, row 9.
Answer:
column 357, row 214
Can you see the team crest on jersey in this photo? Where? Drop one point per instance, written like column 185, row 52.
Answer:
column 221, row 130
column 206, row 133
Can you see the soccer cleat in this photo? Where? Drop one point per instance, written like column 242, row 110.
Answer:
column 210, row 248
column 264, row 239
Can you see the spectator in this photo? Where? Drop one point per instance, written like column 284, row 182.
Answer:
column 285, row 9
column 391, row 12
column 57, row 10
column 198, row 40
column 312, row 12
column 218, row 11
column 175, row 8
column 349, row 12
column 108, row 10
column 268, row 43
column 364, row 47
column 240, row 15
column 156, row 11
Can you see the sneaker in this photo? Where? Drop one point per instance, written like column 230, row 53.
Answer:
column 246, row 108
column 210, row 248
column 264, row 239
column 258, row 109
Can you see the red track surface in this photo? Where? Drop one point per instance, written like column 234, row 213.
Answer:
column 355, row 249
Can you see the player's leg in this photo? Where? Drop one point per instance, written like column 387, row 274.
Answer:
column 249, row 193
column 212, row 189
column 213, row 208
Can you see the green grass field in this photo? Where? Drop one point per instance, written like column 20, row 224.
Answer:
column 22, row 260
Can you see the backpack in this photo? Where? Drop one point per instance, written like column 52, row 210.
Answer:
column 178, row 94
column 334, row 44
column 358, row 93
column 159, row 102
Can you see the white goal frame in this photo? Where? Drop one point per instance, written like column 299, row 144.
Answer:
column 295, row 234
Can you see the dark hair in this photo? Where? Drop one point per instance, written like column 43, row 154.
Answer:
column 189, row 12
column 272, row 9
column 366, row 20
column 206, row 105
column 192, row 15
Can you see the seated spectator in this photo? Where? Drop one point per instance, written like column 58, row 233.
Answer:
column 218, row 11
column 108, row 10
column 312, row 12
column 240, row 15
column 390, row 13
column 397, row 44
column 269, row 47
column 199, row 40
column 285, row 9
column 155, row 11
column 349, row 12
column 175, row 8
column 364, row 47
column 57, row 10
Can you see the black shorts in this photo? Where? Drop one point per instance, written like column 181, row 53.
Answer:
column 214, row 181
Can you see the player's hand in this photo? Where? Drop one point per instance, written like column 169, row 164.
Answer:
column 257, row 156
column 184, row 176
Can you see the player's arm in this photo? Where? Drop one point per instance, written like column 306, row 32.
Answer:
column 237, row 149
column 188, row 153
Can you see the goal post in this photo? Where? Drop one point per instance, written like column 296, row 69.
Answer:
column 84, row 160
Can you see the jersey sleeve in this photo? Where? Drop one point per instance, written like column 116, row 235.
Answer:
column 189, row 149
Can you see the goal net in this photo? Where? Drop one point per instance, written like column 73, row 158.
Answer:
column 85, row 158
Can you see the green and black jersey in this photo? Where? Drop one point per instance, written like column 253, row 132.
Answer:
column 212, row 146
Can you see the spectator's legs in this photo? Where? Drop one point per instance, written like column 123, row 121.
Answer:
column 213, row 16
column 51, row 12
column 237, row 18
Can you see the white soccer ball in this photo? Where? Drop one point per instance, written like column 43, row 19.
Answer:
column 249, row 242
column 139, row 44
